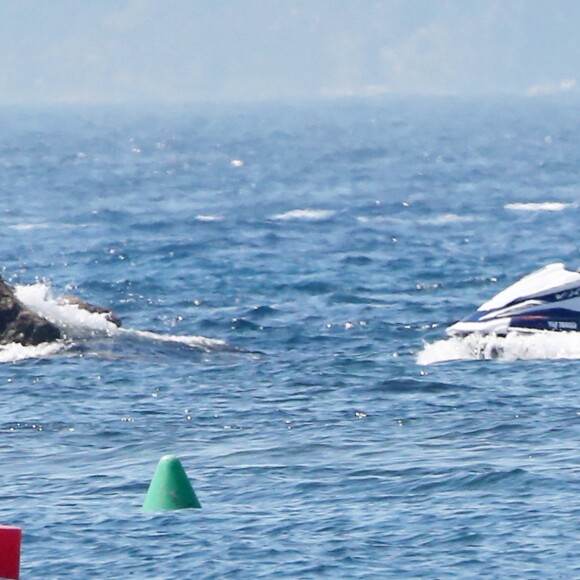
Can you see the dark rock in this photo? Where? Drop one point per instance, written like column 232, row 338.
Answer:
column 19, row 324
column 76, row 301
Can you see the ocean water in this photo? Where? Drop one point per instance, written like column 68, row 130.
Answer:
column 285, row 274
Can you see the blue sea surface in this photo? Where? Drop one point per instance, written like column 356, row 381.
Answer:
column 285, row 274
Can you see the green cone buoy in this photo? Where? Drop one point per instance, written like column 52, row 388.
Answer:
column 170, row 488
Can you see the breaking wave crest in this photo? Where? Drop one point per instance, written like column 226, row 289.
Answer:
column 74, row 322
column 540, row 206
column 538, row 346
column 78, row 325
column 305, row 215
column 202, row 343
column 15, row 352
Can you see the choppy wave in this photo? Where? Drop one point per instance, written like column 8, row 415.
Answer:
column 540, row 206
column 539, row 346
column 447, row 218
column 15, row 352
column 78, row 324
column 198, row 342
column 28, row 227
column 435, row 220
column 304, row 214
column 73, row 321
column 208, row 218
column 33, row 226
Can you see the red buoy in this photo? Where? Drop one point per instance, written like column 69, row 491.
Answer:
column 10, row 540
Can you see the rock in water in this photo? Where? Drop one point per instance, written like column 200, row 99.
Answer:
column 19, row 324
column 93, row 308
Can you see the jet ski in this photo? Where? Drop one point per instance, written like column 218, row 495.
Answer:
column 545, row 300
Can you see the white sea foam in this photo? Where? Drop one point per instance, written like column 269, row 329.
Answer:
column 447, row 218
column 197, row 342
column 437, row 220
column 539, row 346
column 73, row 321
column 78, row 324
column 380, row 219
column 208, row 218
column 14, row 352
column 305, row 214
column 540, row 206
column 28, row 227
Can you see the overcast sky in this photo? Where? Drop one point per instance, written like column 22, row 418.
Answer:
column 95, row 51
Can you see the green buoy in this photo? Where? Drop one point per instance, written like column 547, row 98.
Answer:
column 170, row 488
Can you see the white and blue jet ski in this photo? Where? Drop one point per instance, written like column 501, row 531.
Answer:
column 545, row 300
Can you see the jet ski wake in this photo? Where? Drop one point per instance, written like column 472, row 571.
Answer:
column 538, row 317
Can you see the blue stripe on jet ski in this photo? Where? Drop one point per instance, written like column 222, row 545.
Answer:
column 551, row 319
column 552, row 297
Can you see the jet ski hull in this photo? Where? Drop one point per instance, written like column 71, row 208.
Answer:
column 547, row 300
